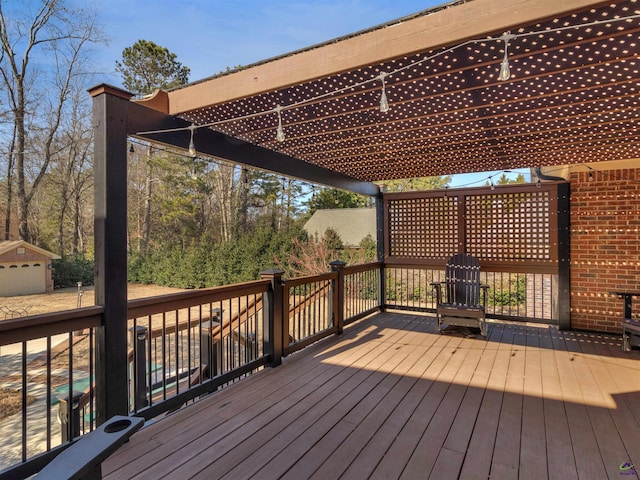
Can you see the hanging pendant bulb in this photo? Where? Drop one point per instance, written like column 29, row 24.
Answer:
column 505, row 70
column 279, row 130
column 384, row 101
column 192, row 145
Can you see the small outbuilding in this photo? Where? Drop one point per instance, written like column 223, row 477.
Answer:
column 24, row 268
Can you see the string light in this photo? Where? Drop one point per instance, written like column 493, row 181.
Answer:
column 384, row 101
column 279, row 130
column 505, row 71
column 192, row 146
column 504, row 74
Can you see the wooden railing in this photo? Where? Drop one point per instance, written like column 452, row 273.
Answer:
column 310, row 303
column 47, row 367
column 181, row 346
column 189, row 344
column 512, row 295
column 362, row 290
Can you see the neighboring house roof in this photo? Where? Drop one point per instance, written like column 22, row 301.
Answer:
column 351, row 224
column 8, row 245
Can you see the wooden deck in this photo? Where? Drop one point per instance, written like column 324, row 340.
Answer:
column 392, row 399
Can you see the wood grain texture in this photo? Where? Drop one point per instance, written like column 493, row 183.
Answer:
column 391, row 398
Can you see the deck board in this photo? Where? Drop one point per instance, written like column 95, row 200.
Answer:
column 391, row 398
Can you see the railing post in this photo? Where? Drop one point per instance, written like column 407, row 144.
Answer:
column 111, row 118
column 273, row 316
column 139, row 367
column 69, row 415
column 208, row 348
column 338, row 292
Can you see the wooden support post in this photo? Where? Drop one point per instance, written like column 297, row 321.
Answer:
column 110, row 107
column 338, row 295
column 273, row 316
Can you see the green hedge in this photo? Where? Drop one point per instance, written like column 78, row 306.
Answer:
column 206, row 265
column 68, row 272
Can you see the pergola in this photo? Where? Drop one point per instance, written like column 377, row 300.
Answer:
column 572, row 96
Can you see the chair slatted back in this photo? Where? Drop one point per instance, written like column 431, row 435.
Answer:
column 462, row 281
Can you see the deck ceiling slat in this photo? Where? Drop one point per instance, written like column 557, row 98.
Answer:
column 573, row 98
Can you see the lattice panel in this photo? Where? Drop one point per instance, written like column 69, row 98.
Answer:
column 423, row 227
column 509, row 226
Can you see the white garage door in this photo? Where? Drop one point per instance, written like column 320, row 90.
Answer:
column 22, row 278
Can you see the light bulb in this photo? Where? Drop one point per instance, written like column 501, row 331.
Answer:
column 192, row 145
column 505, row 71
column 279, row 130
column 384, row 101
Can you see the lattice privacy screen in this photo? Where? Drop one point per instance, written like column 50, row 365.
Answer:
column 423, row 227
column 509, row 226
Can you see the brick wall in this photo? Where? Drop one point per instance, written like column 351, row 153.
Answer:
column 28, row 256
column 605, row 246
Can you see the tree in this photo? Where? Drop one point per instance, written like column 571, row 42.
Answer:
column 42, row 60
column 65, row 206
column 417, row 184
column 146, row 67
column 328, row 198
column 505, row 180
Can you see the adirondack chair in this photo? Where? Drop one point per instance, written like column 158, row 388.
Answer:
column 461, row 299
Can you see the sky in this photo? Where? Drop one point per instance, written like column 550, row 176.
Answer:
column 210, row 35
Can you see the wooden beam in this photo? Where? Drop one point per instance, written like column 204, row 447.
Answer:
column 448, row 26
column 218, row 145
